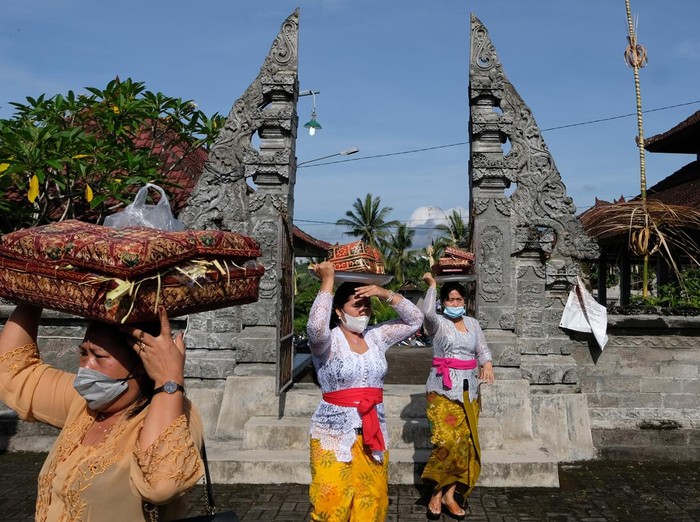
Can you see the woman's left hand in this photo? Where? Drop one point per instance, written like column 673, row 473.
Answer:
column 163, row 357
column 486, row 373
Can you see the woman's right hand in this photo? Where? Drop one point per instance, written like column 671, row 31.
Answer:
column 326, row 271
column 428, row 278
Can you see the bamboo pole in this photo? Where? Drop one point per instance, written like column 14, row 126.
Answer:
column 636, row 57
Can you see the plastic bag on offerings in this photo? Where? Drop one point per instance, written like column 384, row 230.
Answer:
column 140, row 214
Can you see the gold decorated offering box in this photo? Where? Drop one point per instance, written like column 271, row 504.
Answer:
column 356, row 257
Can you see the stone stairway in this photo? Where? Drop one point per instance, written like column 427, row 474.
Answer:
column 275, row 449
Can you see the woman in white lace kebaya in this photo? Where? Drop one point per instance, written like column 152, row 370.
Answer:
column 459, row 352
column 349, row 459
column 125, row 450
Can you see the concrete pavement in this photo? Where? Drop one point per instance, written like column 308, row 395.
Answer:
column 593, row 491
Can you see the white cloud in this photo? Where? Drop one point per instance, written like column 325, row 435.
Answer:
column 424, row 220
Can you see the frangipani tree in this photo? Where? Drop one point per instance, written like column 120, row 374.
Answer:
column 74, row 155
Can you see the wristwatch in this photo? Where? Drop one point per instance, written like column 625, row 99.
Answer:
column 170, row 387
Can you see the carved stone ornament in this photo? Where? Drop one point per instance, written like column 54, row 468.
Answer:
column 491, row 265
column 561, row 274
column 539, row 200
column 221, row 190
column 507, row 321
column 483, row 320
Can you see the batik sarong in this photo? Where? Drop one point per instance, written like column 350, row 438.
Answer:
column 355, row 491
column 456, row 455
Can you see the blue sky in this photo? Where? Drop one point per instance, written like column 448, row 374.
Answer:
column 392, row 77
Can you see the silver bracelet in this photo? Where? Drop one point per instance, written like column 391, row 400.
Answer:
column 391, row 297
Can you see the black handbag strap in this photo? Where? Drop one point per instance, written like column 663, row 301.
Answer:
column 211, row 506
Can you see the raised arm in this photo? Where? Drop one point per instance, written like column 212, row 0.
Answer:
column 35, row 391
column 410, row 317
column 164, row 361
column 21, row 328
column 428, row 307
column 318, row 326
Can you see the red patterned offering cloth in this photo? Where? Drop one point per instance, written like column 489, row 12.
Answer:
column 455, row 262
column 356, row 257
column 124, row 275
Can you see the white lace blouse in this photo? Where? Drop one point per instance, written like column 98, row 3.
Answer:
column 339, row 368
column 450, row 342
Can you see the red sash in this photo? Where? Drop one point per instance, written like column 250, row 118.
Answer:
column 365, row 400
column 443, row 365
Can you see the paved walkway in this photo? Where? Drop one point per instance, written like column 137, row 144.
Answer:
column 590, row 492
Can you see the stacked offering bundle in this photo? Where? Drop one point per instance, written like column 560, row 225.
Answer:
column 124, row 275
column 454, row 262
column 356, row 257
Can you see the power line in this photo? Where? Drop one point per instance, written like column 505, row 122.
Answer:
column 333, row 223
column 589, row 122
column 387, row 154
column 620, row 116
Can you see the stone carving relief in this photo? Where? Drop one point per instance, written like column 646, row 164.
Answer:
column 507, row 321
column 266, row 233
column 491, row 266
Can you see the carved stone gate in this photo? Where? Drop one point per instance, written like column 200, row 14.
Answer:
column 257, row 335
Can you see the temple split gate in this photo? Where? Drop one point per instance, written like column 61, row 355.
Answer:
column 529, row 248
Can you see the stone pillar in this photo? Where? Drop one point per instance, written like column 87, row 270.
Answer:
column 251, row 190
column 528, row 244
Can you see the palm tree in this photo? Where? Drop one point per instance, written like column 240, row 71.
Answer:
column 397, row 256
column 368, row 221
column 456, row 230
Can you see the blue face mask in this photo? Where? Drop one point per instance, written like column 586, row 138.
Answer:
column 454, row 312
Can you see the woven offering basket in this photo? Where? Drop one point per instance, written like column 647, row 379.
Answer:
column 454, row 262
column 104, row 290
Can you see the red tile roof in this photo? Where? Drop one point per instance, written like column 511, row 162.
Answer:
column 681, row 139
column 186, row 170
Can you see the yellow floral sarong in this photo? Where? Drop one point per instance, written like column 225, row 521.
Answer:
column 456, row 456
column 355, row 491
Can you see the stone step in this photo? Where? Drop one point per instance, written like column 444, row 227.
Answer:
column 400, row 400
column 522, row 465
column 271, row 433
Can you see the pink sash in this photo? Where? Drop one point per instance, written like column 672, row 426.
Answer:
column 443, row 365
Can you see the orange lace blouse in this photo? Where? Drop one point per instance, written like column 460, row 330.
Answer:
column 110, row 480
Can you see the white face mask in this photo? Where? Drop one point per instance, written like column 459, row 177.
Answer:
column 355, row 324
column 98, row 389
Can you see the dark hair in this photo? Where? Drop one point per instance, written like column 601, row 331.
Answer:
column 342, row 295
column 448, row 287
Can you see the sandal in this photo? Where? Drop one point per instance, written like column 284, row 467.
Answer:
column 432, row 515
column 449, row 512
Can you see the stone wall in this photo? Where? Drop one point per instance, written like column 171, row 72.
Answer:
column 643, row 388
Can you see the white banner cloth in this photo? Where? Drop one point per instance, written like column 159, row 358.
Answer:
column 583, row 313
